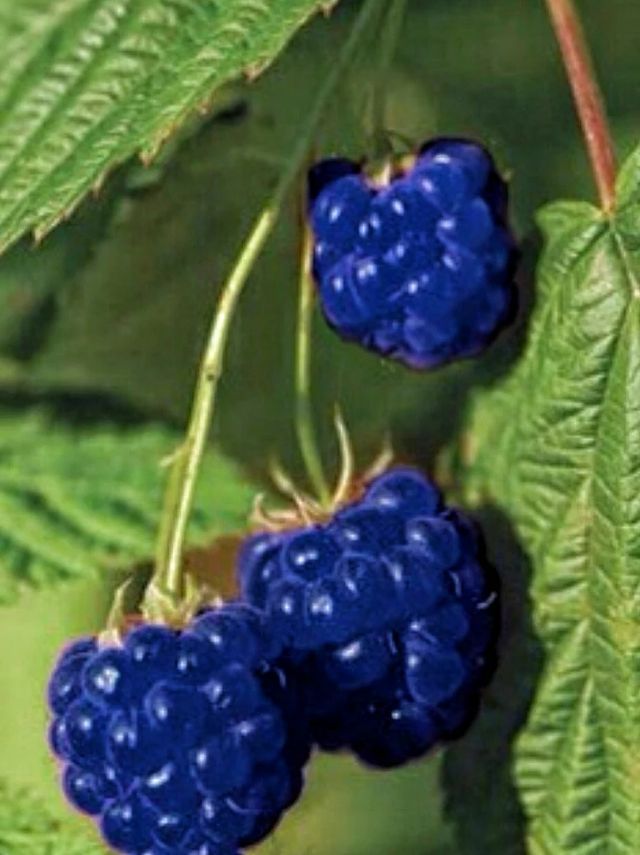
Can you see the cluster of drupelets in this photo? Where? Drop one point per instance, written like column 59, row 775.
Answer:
column 373, row 631
column 416, row 263
column 370, row 629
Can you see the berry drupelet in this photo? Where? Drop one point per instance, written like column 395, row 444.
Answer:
column 389, row 616
column 420, row 267
column 178, row 741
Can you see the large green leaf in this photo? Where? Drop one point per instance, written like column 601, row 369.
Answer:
column 557, row 447
column 75, row 501
column 86, row 83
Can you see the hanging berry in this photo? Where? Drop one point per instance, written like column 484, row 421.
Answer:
column 416, row 265
column 179, row 741
column 387, row 613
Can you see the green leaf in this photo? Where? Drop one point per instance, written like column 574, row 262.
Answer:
column 27, row 828
column 86, row 83
column 75, row 501
column 557, row 447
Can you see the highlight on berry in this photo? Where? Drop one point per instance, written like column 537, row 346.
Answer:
column 416, row 262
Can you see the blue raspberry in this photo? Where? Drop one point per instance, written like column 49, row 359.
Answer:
column 388, row 615
column 419, row 269
column 180, row 741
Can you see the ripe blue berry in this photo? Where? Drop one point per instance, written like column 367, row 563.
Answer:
column 179, row 741
column 388, row 616
column 419, row 269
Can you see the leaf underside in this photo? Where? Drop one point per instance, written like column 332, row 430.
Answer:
column 75, row 502
column 557, row 447
column 84, row 84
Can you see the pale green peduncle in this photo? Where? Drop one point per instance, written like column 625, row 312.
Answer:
column 167, row 588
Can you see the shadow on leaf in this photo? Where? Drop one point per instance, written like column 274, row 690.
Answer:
column 480, row 794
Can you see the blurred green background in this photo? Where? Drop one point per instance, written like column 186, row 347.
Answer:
column 106, row 319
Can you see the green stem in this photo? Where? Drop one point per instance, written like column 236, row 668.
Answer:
column 391, row 30
column 186, row 463
column 307, row 440
column 168, row 580
column 587, row 97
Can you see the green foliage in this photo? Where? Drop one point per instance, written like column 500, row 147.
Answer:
column 27, row 828
column 557, row 448
column 131, row 273
column 371, row 813
column 83, row 85
column 75, row 501
column 115, row 303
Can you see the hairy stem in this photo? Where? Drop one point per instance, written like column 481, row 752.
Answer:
column 168, row 579
column 307, row 440
column 587, row 97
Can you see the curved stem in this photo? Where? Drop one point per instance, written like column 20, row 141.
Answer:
column 392, row 27
column 307, row 440
column 587, row 97
column 168, row 581
column 186, row 462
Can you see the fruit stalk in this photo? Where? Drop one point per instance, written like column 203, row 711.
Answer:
column 587, row 96
column 168, row 580
column 307, row 440
column 392, row 27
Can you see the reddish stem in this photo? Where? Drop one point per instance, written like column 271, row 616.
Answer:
column 587, row 97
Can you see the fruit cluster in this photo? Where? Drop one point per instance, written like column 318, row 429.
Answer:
column 418, row 267
column 373, row 630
